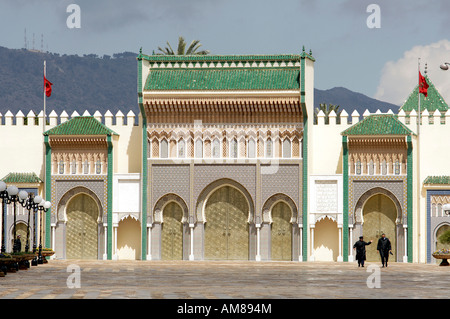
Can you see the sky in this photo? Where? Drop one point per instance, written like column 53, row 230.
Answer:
column 381, row 62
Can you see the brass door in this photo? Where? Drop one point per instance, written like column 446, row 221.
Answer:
column 281, row 232
column 172, row 233
column 379, row 217
column 82, row 228
column 226, row 228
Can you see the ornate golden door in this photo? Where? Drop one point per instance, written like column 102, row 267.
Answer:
column 281, row 232
column 172, row 232
column 379, row 215
column 226, row 228
column 82, row 228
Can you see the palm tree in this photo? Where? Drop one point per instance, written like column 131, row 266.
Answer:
column 181, row 50
column 326, row 109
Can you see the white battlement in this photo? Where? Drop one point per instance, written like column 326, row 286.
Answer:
column 53, row 119
column 409, row 119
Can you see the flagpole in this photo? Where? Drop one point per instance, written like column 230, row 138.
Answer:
column 45, row 97
column 418, row 163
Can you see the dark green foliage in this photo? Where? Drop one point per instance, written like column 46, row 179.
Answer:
column 79, row 83
column 445, row 237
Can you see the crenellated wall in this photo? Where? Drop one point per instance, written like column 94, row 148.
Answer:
column 23, row 142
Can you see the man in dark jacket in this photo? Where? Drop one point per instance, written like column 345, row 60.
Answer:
column 360, row 247
column 384, row 248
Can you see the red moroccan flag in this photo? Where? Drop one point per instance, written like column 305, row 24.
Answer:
column 423, row 85
column 47, row 87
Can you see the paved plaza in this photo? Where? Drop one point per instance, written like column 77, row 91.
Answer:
column 60, row 279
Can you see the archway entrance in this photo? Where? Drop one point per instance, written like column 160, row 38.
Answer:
column 226, row 228
column 82, row 228
column 281, row 232
column 129, row 239
column 172, row 232
column 379, row 215
column 440, row 245
column 326, row 240
column 21, row 229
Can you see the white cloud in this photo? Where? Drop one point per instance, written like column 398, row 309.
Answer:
column 399, row 78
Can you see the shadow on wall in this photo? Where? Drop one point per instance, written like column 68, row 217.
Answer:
column 326, row 240
column 129, row 239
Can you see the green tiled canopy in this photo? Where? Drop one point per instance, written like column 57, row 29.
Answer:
column 378, row 124
column 81, row 125
column 434, row 101
column 21, row 178
column 443, row 180
column 224, row 79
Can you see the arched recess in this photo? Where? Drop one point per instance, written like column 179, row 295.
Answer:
column 61, row 208
column 326, row 239
column 358, row 217
column 438, row 231
column 208, row 190
column 272, row 201
column 163, row 201
column 129, row 238
column 21, row 229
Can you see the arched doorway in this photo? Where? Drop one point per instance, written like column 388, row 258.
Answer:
column 326, row 240
column 379, row 216
column 129, row 239
column 82, row 228
column 21, row 230
column 172, row 232
column 281, row 232
column 226, row 228
column 442, row 229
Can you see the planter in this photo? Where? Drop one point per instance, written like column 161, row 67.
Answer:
column 444, row 258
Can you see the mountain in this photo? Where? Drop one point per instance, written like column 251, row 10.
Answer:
column 79, row 83
column 91, row 82
column 350, row 101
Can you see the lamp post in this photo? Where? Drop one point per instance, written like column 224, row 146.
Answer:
column 31, row 205
column 3, row 197
column 43, row 206
column 15, row 196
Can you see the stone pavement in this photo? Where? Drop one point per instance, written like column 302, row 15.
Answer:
column 224, row 280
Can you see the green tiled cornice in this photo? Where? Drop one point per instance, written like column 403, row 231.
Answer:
column 273, row 78
column 441, row 180
column 220, row 58
column 378, row 124
column 81, row 125
column 21, row 178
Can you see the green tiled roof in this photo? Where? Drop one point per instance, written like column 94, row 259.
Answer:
column 437, row 180
column 21, row 178
column 434, row 101
column 81, row 125
column 378, row 124
column 271, row 78
column 220, row 58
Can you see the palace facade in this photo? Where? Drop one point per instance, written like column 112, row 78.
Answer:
column 226, row 162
